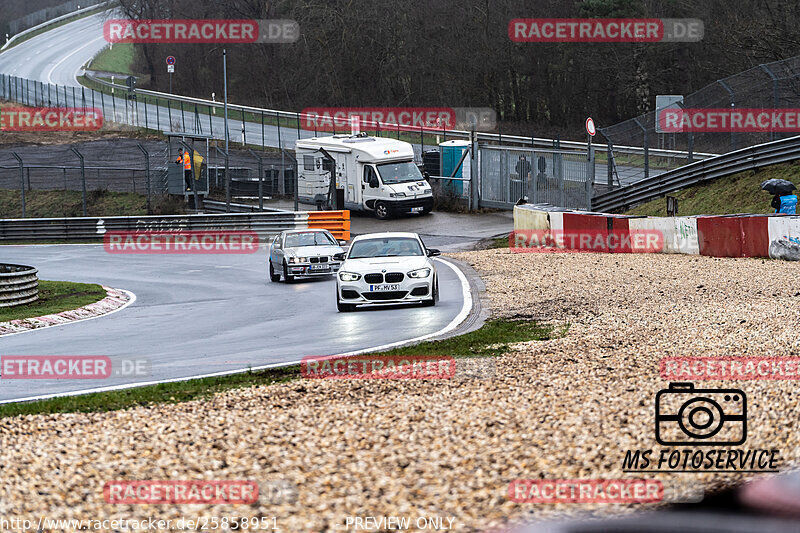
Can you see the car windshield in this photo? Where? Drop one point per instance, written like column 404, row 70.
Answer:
column 310, row 238
column 399, row 172
column 386, row 247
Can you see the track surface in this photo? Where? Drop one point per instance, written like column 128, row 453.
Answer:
column 199, row 314
column 57, row 57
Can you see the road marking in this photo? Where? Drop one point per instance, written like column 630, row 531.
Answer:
column 50, row 72
column 460, row 317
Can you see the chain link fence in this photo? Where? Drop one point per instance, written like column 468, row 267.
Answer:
column 766, row 86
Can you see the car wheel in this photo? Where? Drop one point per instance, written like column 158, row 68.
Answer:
column 434, row 297
column 286, row 277
column 273, row 276
column 427, row 210
column 382, row 211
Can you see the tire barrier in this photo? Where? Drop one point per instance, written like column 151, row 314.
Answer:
column 18, row 285
column 775, row 236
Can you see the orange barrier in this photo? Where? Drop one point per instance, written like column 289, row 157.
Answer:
column 337, row 222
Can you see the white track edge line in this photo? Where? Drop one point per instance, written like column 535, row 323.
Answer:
column 459, row 318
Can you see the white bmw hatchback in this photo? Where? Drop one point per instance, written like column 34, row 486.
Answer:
column 387, row 269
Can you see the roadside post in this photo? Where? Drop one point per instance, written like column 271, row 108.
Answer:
column 170, row 70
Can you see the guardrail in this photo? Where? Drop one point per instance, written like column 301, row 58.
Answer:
column 456, row 134
column 92, row 229
column 212, row 206
column 750, row 158
column 53, row 21
column 18, row 285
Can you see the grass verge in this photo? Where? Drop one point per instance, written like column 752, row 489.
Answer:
column 738, row 193
column 118, row 58
column 99, row 202
column 55, row 297
column 493, row 339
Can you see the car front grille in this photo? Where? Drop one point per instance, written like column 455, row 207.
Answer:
column 394, row 277
column 321, row 259
column 373, row 278
column 388, row 295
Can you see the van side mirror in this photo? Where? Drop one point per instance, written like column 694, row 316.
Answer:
column 373, row 183
column 433, row 252
column 340, row 256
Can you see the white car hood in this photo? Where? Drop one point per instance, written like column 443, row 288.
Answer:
column 313, row 251
column 390, row 264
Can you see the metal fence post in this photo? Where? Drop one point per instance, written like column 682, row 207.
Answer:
column 733, row 104
column 21, row 180
column 83, row 179
column 765, row 68
column 260, row 179
column 646, row 149
column 147, row 174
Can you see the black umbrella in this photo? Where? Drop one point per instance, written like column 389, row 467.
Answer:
column 778, row 187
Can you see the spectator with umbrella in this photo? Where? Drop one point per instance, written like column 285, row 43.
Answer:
column 783, row 201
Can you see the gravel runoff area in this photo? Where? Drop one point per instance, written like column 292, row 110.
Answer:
column 565, row 408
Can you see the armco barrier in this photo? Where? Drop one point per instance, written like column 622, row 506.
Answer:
column 91, row 229
column 337, row 222
column 743, row 235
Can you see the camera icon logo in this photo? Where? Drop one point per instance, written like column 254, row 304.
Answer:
column 686, row 416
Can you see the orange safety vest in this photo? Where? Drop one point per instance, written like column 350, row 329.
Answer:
column 187, row 164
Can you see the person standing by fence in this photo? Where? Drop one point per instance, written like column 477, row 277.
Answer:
column 183, row 157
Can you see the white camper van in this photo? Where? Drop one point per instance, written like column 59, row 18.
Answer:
column 372, row 174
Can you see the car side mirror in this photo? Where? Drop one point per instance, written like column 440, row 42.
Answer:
column 342, row 242
column 340, row 256
column 426, row 175
column 373, row 183
column 433, row 252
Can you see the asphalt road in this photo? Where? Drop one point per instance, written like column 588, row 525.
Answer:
column 199, row 314
column 57, row 57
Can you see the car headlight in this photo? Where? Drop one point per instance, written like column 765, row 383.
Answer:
column 420, row 273
column 397, row 195
column 296, row 260
column 349, row 276
column 427, row 191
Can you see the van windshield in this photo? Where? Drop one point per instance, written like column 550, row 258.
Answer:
column 399, row 172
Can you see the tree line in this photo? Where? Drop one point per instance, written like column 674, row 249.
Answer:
column 447, row 53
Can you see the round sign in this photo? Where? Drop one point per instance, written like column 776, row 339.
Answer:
column 170, row 60
column 590, row 126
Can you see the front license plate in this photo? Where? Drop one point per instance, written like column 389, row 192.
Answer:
column 416, row 209
column 320, row 267
column 385, row 287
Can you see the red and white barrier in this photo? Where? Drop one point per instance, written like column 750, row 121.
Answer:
column 717, row 236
